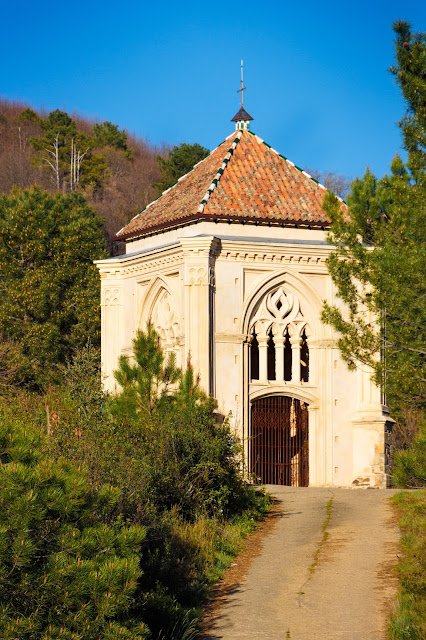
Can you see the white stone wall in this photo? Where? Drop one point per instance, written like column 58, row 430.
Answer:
column 203, row 291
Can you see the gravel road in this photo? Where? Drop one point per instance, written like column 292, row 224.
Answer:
column 324, row 571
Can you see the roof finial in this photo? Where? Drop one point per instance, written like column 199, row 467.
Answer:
column 242, row 86
column 242, row 118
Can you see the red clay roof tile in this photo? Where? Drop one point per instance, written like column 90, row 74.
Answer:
column 243, row 179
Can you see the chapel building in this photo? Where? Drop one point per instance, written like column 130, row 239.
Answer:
column 229, row 265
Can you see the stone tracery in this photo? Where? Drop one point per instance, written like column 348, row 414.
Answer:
column 164, row 320
column 279, row 339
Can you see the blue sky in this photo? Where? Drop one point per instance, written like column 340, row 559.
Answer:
column 316, row 72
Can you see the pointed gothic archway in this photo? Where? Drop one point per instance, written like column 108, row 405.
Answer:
column 279, row 450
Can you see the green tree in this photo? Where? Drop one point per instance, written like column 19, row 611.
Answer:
column 378, row 265
column 29, row 117
column 67, row 568
column 50, row 300
column 182, row 456
column 180, row 160
column 67, row 154
column 109, row 135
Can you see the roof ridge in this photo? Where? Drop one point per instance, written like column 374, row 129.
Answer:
column 220, row 171
column 305, row 173
column 173, row 185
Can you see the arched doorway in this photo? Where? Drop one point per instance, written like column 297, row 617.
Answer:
column 279, row 451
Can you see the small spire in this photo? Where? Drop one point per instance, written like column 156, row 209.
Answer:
column 241, row 89
column 242, row 118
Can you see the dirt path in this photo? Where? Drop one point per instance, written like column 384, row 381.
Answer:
column 324, row 571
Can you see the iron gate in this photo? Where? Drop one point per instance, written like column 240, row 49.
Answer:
column 279, row 452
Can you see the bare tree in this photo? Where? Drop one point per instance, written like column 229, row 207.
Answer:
column 336, row 182
column 75, row 165
column 52, row 159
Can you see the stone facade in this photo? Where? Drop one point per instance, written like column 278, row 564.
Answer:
column 205, row 291
column 229, row 265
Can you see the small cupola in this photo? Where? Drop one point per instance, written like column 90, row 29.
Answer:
column 242, row 118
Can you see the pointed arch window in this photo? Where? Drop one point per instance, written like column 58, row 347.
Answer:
column 304, row 358
column 254, row 357
column 271, row 356
column 287, row 357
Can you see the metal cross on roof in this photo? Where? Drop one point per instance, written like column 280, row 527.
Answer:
column 242, row 86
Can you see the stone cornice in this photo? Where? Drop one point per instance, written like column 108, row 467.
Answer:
column 140, row 262
column 265, row 252
column 200, row 246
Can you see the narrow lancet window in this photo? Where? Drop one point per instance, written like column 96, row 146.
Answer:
column 254, row 358
column 304, row 358
column 287, row 357
column 271, row 356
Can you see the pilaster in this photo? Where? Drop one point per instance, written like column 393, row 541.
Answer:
column 111, row 325
column 199, row 282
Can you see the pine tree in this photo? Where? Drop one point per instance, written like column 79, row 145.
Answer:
column 67, row 154
column 167, row 432
column 67, row 568
column 180, row 160
column 378, row 265
column 50, row 288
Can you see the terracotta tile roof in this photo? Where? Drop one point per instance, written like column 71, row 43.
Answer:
column 242, row 180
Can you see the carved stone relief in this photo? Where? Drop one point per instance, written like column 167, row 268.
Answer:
column 164, row 320
column 197, row 275
column 279, row 310
column 111, row 296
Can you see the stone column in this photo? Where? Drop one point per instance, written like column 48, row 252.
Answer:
column 263, row 357
column 279, row 342
column 199, row 260
column 313, row 362
column 295, row 359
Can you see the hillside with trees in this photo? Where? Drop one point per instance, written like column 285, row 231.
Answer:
column 112, row 169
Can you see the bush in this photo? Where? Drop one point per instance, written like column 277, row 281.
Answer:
column 177, row 453
column 177, row 469
column 67, row 568
column 409, row 465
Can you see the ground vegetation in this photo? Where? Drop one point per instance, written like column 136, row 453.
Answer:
column 408, row 620
column 68, row 566
column 174, row 465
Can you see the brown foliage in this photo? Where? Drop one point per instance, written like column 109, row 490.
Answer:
column 406, row 428
column 126, row 190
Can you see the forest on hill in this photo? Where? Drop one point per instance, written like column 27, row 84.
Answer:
column 115, row 171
